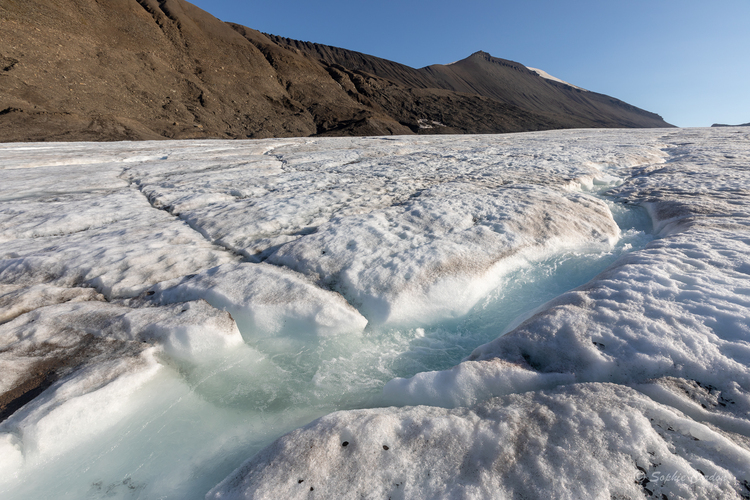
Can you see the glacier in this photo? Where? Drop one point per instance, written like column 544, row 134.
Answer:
column 560, row 313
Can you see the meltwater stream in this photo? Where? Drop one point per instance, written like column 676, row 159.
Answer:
column 190, row 426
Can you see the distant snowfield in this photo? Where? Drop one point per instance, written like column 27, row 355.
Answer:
column 169, row 309
column 547, row 76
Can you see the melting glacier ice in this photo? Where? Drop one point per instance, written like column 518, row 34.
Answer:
column 193, row 423
column 200, row 299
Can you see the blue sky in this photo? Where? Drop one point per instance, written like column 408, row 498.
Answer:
column 687, row 60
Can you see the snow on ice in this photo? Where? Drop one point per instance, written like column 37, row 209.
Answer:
column 169, row 309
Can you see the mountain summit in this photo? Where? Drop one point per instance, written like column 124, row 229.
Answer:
column 148, row 69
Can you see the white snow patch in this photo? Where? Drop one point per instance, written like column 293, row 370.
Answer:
column 547, row 76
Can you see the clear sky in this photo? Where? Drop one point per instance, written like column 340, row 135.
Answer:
column 687, row 60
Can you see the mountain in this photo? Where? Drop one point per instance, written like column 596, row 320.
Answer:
column 499, row 79
column 151, row 69
column 725, row 125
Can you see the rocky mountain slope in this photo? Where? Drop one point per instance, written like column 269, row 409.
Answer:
column 499, row 79
column 150, row 69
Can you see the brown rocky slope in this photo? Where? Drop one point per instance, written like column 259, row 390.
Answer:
column 151, row 69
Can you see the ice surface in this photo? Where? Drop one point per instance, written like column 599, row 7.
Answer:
column 168, row 309
column 678, row 308
column 437, row 255
column 114, row 242
column 267, row 300
column 580, row 441
column 18, row 299
column 104, row 355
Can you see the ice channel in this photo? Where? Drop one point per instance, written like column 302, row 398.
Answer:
column 187, row 428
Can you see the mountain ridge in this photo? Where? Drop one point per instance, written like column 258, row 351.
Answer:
column 148, row 69
column 725, row 125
